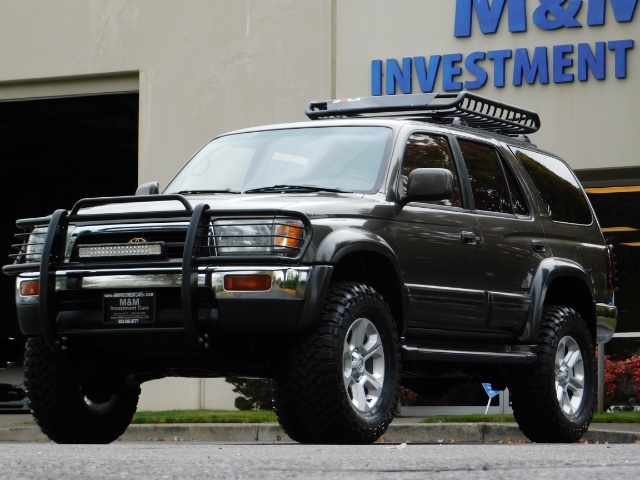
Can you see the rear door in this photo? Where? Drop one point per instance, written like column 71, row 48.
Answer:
column 571, row 230
column 514, row 242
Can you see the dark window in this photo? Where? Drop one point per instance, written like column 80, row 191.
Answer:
column 559, row 190
column 494, row 187
column 517, row 197
column 430, row 151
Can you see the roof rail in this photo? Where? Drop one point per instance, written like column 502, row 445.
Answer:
column 445, row 108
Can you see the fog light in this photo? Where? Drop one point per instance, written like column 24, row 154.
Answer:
column 252, row 283
column 29, row 288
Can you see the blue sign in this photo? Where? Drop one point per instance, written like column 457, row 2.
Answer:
column 549, row 15
column 542, row 64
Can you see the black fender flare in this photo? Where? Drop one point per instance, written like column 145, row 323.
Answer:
column 336, row 246
column 342, row 242
column 548, row 271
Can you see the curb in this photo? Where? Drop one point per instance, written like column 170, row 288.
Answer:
column 273, row 433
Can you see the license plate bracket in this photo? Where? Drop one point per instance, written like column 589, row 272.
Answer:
column 129, row 308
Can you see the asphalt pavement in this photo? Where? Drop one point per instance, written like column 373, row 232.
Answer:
column 22, row 428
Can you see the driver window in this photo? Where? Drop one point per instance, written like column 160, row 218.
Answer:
column 430, row 151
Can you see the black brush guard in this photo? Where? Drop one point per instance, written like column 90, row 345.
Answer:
column 199, row 219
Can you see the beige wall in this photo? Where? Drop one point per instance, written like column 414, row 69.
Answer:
column 209, row 66
column 187, row 394
column 203, row 67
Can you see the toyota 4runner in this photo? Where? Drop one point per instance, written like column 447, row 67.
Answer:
column 417, row 240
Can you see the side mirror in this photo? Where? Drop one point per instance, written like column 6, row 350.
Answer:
column 428, row 184
column 150, row 188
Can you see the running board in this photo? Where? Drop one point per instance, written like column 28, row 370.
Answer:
column 520, row 354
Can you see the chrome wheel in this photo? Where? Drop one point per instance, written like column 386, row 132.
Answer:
column 570, row 376
column 363, row 364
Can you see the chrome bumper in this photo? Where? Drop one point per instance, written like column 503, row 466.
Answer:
column 287, row 283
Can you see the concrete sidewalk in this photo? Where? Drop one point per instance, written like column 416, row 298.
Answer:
column 21, row 428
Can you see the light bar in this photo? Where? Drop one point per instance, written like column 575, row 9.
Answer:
column 121, row 250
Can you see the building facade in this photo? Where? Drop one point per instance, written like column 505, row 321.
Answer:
column 153, row 80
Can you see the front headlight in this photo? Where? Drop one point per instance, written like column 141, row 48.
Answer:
column 276, row 236
column 35, row 244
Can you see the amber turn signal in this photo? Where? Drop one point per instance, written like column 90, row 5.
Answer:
column 29, row 288
column 252, row 283
column 288, row 235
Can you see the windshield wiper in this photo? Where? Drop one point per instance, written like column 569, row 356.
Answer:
column 202, row 192
column 293, row 188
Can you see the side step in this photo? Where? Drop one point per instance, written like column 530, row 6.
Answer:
column 519, row 354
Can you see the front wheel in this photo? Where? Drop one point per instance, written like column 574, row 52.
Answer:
column 64, row 409
column 553, row 399
column 341, row 382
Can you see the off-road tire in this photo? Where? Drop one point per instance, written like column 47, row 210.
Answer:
column 290, row 416
column 60, row 408
column 312, row 399
column 563, row 377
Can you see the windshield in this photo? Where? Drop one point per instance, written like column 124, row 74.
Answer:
column 347, row 159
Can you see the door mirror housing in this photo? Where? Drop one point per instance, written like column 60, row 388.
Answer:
column 429, row 184
column 151, row 188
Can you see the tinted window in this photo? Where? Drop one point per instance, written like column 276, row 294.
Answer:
column 517, row 197
column 430, row 151
column 559, row 190
column 494, row 187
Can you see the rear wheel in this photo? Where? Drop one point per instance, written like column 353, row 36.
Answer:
column 341, row 383
column 553, row 399
column 64, row 409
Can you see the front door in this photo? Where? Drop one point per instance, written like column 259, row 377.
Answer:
column 440, row 249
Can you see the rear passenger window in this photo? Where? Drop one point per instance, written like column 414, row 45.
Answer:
column 430, row 151
column 559, row 190
column 517, row 197
column 494, row 187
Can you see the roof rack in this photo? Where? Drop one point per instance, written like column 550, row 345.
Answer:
column 463, row 108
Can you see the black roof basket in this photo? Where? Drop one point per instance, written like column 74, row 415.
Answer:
column 463, row 108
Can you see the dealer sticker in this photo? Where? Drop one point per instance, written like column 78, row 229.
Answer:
column 129, row 308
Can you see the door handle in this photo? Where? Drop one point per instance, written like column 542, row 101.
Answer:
column 538, row 246
column 468, row 238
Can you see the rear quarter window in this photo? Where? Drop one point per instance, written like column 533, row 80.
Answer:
column 561, row 194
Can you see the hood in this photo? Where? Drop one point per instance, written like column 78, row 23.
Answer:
column 311, row 204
